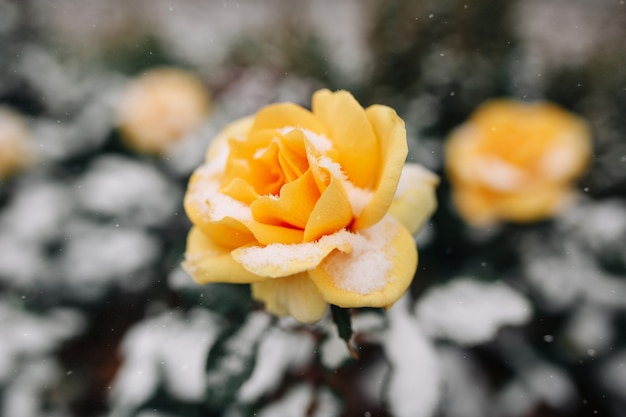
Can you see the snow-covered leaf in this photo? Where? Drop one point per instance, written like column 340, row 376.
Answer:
column 279, row 352
column 467, row 311
column 27, row 335
column 170, row 350
column 294, row 403
column 231, row 360
column 130, row 192
column 413, row 389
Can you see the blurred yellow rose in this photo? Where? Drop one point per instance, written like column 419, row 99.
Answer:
column 16, row 151
column 161, row 107
column 516, row 161
column 307, row 207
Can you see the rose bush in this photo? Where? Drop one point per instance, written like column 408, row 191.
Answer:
column 310, row 207
column 160, row 107
column 515, row 161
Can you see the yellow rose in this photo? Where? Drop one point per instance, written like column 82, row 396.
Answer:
column 15, row 143
column 516, row 161
column 306, row 206
column 160, row 107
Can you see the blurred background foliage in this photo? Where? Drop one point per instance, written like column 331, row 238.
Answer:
column 97, row 318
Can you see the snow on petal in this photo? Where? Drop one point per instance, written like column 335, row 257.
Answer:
column 279, row 260
column 375, row 273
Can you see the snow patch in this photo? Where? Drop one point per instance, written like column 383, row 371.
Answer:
column 94, row 257
column 279, row 259
column 280, row 351
column 172, row 347
column 128, row 191
column 413, row 389
column 471, row 312
column 295, row 403
column 26, row 335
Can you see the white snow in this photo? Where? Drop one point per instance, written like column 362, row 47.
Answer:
column 95, row 257
column 22, row 264
column 469, row 312
column 327, row 404
column 465, row 386
column 26, row 335
column 538, row 383
column 367, row 268
column 171, row 346
column 294, row 403
column 25, row 395
column 130, row 192
column 37, row 211
column 279, row 259
column 551, row 384
column 599, row 225
column 213, row 204
column 333, row 349
column 569, row 275
column 239, row 349
column 280, row 352
column 359, row 197
column 320, row 142
column 413, row 389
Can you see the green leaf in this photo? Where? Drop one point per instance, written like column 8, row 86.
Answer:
column 342, row 319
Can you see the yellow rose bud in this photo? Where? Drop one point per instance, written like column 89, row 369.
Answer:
column 305, row 206
column 516, row 161
column 16, row 151
column 161, row 107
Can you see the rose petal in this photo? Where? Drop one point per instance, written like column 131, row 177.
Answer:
column 294, row 205
column 475, row 205
column 292, row 155
column 391, row 134
column 332, row 212
column 280, row 260
column 228, row 232
column 376, row 273
column 267, row 234
column 281, row 115
column 218, row 215
column 207, row 261
column 415, row 199
column 256, row 161
column 294, row 295
column 569, row 155
column 538, row 203
column 237, row 129
column 351, row 133
column 240, row 190
column 481, row 207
